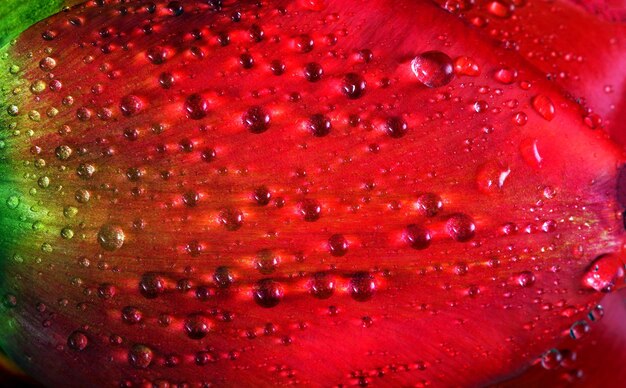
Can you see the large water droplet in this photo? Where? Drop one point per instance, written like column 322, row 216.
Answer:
column 197, row 326
column 433, row 69
column 362, row 286
column 77, row 340
column 256, row 120
column 322, row 285
column 140, row 356
column 461, row 227
column 268, row 293
column 605, row 273
column 111, row 237
column 417, row 237
column 197, row 107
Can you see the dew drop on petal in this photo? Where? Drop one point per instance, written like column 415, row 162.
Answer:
column 77, row 341
column 579, row 329
column 417, row 237
column 111, row 237
column 140, row 356
column 362, row 286
column 551, row 359
column 543, row 105
column 322, row 285
column 605, row 273
column 268, row 293
column 433, row 68
column 196, row 106
column 461, row 227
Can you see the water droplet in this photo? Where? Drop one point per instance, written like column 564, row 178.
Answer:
column 319, row 125
column 310, row 209
column 505, row 75
column 322, row 285
column 543, row 105
column 231, row 219
column 131, row 315
column 529, row 149
column 268, row 293
column 151, row 285
column 593, row 120
column 433, row 69
column 313, row 72
column 130, row 105
column 362, row 286
column 13, row 202
column 266, row 261
column 140, row 356
column 429, row 204
column 47, row 64
column 157, row 55
column 466, row 66
column 461, row 227
column 337, row 245
column 111, row 237
column 396, row 127
column 491, row 176
column 277, row 67
column 605, row 273
column 303, row 43
column 77, row 341
column 256, row 120
column 551, row 359
column 579, row 329
column 526, row 279
column 166, row 80
column 197, row 326
column 197, row 107
column 223, row 277
column 596, row 313
column 501, row 10
column 417, row 237
column 353, row 86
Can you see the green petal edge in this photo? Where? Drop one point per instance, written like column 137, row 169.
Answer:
column 18, row 15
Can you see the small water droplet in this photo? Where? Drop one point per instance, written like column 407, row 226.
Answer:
column 526, row 279
column 505, row 75
column 596, row 313
column 543, row 105
column 551, row 359
column 579, row 329
column 337, row 245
